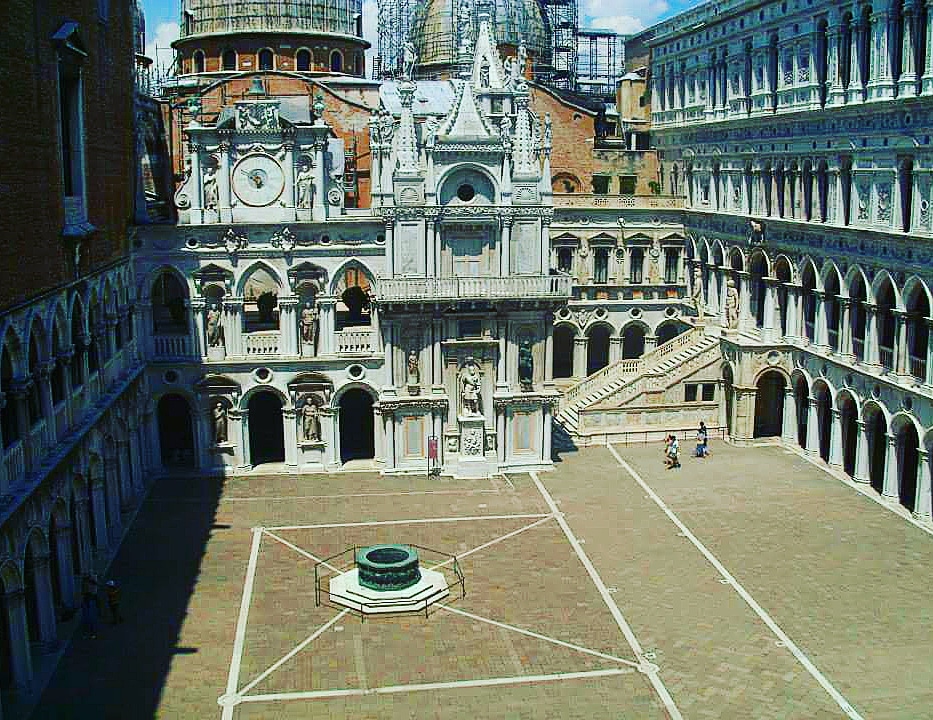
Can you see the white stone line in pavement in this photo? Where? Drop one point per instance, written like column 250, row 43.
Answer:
column 863, row 488
column 452, row 685
column 743, row 593
column 288, row 656
column 270, row 498
column 298, row 550
column 538, row 636
column 491, row 542
column 229, row 698
column 647, row 668
column 414, row 521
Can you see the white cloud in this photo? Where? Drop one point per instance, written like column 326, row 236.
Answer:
column 625, row 16
column 622, row 24
column 159, row 43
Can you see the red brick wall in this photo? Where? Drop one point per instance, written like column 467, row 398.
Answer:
column 284, row 48
column 31, row 211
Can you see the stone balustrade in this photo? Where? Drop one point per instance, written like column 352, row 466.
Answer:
column 264, row 342
column 469, row 288
column 168, row 347
column 613, row 202
column 354, row 341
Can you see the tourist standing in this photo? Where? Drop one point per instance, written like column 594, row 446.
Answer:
column 112, row 590
column 90, row 610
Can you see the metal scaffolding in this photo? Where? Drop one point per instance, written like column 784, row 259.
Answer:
column 600, row 63
column 563, row 25
column 395, row 21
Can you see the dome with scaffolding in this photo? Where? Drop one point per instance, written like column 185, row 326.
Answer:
column 441, row 27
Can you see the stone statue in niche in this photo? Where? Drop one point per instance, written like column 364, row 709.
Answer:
column 526, row 367
column 732, row 305
column 697, row 291
column 522, row 61
column 413, row 374
column 215, row 330
column 508, row 66
column 304, row 183
column 220, row 423
column 470, row 385
column 210, row 187
column 310, row 422
column 309, row 323
column 484, row 73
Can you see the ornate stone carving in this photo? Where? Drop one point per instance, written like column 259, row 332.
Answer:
column 470, row 387
column 283, row 239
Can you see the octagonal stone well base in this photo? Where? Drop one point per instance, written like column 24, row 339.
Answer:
column 345, row 589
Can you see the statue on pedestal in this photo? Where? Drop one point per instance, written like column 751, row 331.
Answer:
column 309, row 315
column 732, row 305
column 470, row 385
column 215, row 330
column 408, row 62
column 310, row 424
column 210, row 187
column 697, row 291
column 526, row 366
column 220, row 423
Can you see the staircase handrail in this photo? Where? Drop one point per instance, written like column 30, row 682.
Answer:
column 631, row 367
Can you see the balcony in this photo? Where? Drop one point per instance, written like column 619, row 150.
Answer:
column 617, row 202
column 262, row 343
column 918, row 367
column 171, row 347
column 517, row 287
column 886, row 357
column 354, row 341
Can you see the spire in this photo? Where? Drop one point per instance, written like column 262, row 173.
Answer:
column 487, row 67
column 465, row 122
column 406, row 141
column 525, row 152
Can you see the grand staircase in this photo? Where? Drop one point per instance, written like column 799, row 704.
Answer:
column 624, row 381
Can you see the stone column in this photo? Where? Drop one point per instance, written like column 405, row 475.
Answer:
column 44, row 382
column 580, row 344
column 137, row 460
column 48, row 628
column 836, row 93
column 651, row 342
column 326, row 325
column 545, row 246
column 194, row 152
column 83, row 530
column 66, row 571
column 880, row 81
column 288, row 326
column 789, row 422
column 900, row 361
column 390, row 247
column 889, row 488
column 845, row 329
column 99, row 509
column 389, row 417
column 820, row 325
column 745, row 313
column 813, row 427
column 929, row 369
column 835, row 439
column 856, row 88
column 862, row 463
column 615, row 349
column 389, row 387
column 245, row 455
column 437, row 357
column 112, row 483
column 506, row 244
column 922, row 507
column 430, row 251
column 546, row 441
column 127, row 493
column 907, row 82
column 768, row 333
column 319, row 196
column 289, row 418
column 224, row 212
column 710, row 110
column 926, row 83
column 872, row 356
column 549, row 351
column 233, row 326
column 20, row 652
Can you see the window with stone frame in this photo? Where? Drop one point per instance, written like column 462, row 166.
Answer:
column 601, row 184
column 671, row 265
column 601, row 265
column 627, row 184
column 636, row 264
column 565, row 259
column 71, row 123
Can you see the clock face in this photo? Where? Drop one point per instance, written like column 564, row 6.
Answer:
column 258, row 180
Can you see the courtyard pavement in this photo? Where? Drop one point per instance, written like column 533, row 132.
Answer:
column 747, row 585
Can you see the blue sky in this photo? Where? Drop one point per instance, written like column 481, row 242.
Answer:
column 624, row 16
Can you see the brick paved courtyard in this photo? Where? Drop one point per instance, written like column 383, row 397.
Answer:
column 836, row 591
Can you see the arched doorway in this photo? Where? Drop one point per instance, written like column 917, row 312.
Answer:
column 848, row 421
column 667, row 331
column 908, row 442
column 357, row 438
column 597, row 353
column 563, row 351
column 176, row 437
column 266, row 429
column 633, row 341
column 878, row 448
column 769, row 404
